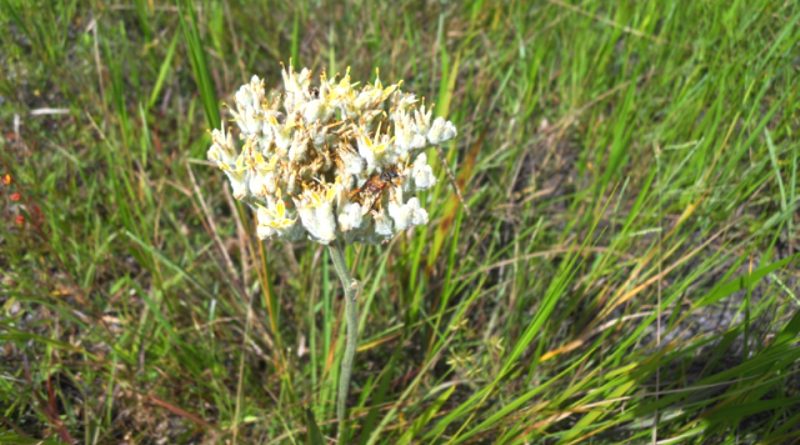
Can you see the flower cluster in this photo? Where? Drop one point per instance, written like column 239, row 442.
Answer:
column 330, row 161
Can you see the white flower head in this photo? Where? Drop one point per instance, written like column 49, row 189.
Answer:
column 383, row 224
column 249, row 111
column 276, row 219
column 222, row 148
column 351, row 217
column 441, row 131
column 408, row 136
column 352, row 167
column 238, row 183
column 316, row 213
column 374, row 149
column 422, row 173
column 298, row 147
column 407, row 215
column 329, row 160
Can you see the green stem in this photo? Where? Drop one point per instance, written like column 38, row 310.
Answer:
column 351, row 311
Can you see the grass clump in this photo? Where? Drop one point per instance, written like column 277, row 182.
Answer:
column 611, row 255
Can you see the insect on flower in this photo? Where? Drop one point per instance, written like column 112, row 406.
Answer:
column 375, row 186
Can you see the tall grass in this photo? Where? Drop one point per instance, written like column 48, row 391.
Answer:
column 612, row 255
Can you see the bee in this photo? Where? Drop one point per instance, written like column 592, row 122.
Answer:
column 375, row 186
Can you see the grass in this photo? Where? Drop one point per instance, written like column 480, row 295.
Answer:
column 612, row 256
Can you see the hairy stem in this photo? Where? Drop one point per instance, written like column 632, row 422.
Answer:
column 351, row 312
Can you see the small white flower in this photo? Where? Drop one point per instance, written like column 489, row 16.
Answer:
column 319, row 222
column 298, row 148
column 296, row 87
column 403, row 101
column 373, row 151
column 236, row 173
column 262, row 184
column 238, row 183
column 350, row 217
column 296, row 83
column 422, row 173
column 407, row 215
column 250, row 94
column 422, row 119
column 407, row 136
column 383, row 224
column 266, row 136
column 318, row 135
column 316, row 213
column 419, row 216
column 274, row 219
column 283, row 138
column 367, row 98
column 265, row 232
column 352, row 166
column 441, row 131
column 258, row 172
column 248, row 107
column 222, row 150
column 314, row 111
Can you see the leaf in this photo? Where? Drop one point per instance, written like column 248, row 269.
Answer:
column 314, row 434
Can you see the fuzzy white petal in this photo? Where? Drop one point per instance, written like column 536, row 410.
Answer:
column 441, row 131
column 350, row 217
column 422, row 173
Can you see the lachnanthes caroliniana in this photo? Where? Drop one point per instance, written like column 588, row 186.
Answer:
column 334, row 162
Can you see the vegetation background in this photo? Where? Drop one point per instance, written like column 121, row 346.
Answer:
column 622, row 268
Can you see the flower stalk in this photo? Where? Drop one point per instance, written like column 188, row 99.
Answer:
column 351, row 288
column 337, row 162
